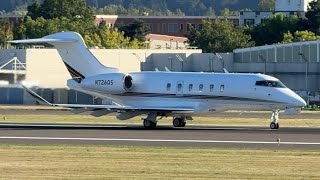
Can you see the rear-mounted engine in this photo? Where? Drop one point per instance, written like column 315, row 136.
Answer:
column 113, row 83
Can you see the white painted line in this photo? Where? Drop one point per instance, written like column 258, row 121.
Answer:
column 159, row 140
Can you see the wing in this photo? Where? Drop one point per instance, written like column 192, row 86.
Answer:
column 105, row 109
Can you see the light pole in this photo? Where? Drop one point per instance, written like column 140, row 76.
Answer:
column 307, row 69
column 170, row 59
column 221, row 59
column 139, row 58
column 211, row 63
column 181, row 60
column 171, row 43
column 265, row 63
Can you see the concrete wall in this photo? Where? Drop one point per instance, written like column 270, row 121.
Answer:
column 15, row 94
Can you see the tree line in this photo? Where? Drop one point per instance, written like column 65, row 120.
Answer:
column 215, row 36
column 155, row 7
column 71, row 15
column 222, row 36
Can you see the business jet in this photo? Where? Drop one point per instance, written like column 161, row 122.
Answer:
column 179, row 95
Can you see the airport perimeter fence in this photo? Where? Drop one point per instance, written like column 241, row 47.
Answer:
column 16, row 95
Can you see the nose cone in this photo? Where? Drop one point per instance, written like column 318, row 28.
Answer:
column 298, row 101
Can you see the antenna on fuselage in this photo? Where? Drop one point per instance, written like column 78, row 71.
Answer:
column 225, row 70
column 166, row 69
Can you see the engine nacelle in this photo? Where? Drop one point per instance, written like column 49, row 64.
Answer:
column 113, row 83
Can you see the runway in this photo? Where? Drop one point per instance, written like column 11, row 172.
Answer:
column 193, row 136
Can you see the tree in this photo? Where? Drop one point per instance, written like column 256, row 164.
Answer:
column 210, row 12
column 313, row 16
column 287, row 38
column 267, row 5
column 136, row 30
column 272, row 29
column 6, row 33
column 219, row 36
column 34, row 10
column 71, row 9
column 57, row 15
column 299, row 36
column 226, row 12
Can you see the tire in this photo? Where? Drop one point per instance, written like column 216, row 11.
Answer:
column 273, row 125
column 277, row 126
column 149, row 124
column 176, row 122
column 183, row 124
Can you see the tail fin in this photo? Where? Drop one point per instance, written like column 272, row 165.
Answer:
column 79, row 61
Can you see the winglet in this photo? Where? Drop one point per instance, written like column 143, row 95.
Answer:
column 38, row 98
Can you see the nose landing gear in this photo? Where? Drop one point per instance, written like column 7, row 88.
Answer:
column 274, row 120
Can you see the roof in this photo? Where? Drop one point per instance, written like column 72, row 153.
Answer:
column 160, row 37
column 165, row 17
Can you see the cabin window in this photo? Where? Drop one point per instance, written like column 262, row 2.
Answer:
column 211, row 87
column 168, row 86
column 221, row 88
column 190, row 87
column 179, row 87
column 201, row 87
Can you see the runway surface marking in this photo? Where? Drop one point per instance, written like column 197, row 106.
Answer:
column 159, row 140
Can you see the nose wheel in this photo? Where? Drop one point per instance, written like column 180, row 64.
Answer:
column 274, row 125
column 274, row 120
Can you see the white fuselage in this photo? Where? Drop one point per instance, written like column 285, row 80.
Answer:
column 204, row 92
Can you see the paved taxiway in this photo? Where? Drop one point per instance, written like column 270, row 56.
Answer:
column 195, row 136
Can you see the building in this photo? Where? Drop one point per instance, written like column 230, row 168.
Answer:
column 286, row 7
column 292, row 5
column 12, row 18
column 164, row 25
column 252, row 18
column 158, row 41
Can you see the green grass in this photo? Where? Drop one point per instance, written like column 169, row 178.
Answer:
column 128, row 162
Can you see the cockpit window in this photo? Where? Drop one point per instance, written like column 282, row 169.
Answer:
column 277, row 84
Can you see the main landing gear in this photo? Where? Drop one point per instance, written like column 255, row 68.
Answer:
column 149, row 124
column 151, row 121
column 274, row 120
column 179, row 122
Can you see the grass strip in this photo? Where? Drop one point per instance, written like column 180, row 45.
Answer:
column 132, row 162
